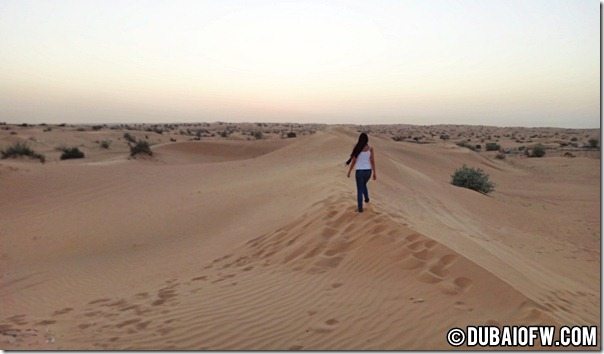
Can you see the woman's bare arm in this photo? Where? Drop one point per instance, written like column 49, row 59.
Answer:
column 354, row 160
column 372, row 159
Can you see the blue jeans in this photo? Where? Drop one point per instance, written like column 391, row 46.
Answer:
column 362, row 177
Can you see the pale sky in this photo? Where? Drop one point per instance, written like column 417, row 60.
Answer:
column 504, row 63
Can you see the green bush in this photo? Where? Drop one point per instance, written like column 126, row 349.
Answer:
column 105, row 144
column 129, row 138
column 258, row 135
column 538, row 151
column 593, row 143
column 21, row 149
column 474, row 179
column 466, row 145
column 72, row 153
column 141, row 147
column 492, row 147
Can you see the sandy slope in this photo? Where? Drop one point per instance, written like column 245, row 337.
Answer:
column 211, row 245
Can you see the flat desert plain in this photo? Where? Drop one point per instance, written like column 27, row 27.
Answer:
column 245, row 236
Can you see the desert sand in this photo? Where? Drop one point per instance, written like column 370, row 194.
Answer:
column 248, row 242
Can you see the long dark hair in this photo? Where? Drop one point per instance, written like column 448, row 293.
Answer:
column 363, row 139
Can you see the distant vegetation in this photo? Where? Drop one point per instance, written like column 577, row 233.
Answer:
column 258, row 135
column 21, row 149
column 537, row 151
column 467, row 145
column 105, row 144
column 472, row 178
column 72, row 153
column 140, row 147
column 593, row 143
column 492, row 147
column 129, row 138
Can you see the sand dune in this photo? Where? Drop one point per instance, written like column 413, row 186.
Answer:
column 256, row 245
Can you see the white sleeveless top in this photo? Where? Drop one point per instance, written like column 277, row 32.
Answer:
column 363, row 162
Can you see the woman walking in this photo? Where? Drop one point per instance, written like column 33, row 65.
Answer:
column 363, row 161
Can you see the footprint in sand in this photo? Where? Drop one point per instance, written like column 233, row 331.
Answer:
column 98, row 301
column 326, row 327
column 429, row 244
column 460, row 305
column 457, row 286
column 63, row 311
column 429, row 277
column 423, row 255
column 411, row 263
column 493, row 323
column 415, row 246
column 418, row 300
column 463, row 283
column 413, row 237
column 332, row 322
column 127, row 322
column 329, row 232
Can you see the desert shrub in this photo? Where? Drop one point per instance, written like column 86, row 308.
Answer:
column 398, row 138
column 574, row 138
column 538, row 151
column 140, row 147
column 472, row 178
column 478, row 146
column 105, row 144
column 593, row 143
column 569, row 154
column 129, row 138
column 291, row 135
column 258, row 134
column 72, row 153
column 466, row 145
column 492, row 147
column 444, row 137
column 500, row 156
column 21, row 149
